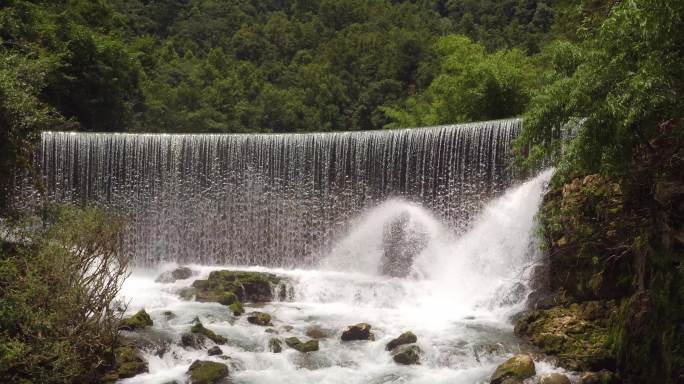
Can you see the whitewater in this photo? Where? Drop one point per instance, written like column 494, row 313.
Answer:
column 458, row 297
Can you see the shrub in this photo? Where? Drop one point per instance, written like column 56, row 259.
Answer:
column 58, row 323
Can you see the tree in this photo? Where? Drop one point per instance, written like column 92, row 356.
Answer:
column 612, row 93
column 471, row 85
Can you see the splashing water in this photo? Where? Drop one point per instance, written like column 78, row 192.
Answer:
column 276, row 200
column 455, row 299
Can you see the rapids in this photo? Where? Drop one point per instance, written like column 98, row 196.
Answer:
column 457, row 298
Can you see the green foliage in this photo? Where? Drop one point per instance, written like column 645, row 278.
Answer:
column 471, row 85
column 22, row 114
column 56, row 293
column 612, row 92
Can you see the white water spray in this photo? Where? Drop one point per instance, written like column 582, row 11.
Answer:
column 452, row 301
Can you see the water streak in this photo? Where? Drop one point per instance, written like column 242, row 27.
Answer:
column 273, row 199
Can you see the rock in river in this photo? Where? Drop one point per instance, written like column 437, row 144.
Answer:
column 207, row 372
column 138, row 321
column 554, row 378
column 360, row 331
column 295, row 343
column 405, row 338
column 259, row 318
column 517, row 367
column 407, row 354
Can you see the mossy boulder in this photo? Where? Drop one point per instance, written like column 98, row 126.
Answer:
column 406, row 354
column 360, row 331
column 138, row 321
column 200, row 329
column 180, row 273
column 129, row 363
column 554, row 378
column 207, row 372
column 236, row 309
column 586, row 225
column 259, row 318
column 304, row 347
column 518, row 367
column 275, row 345
column 405, row 338
column 228, row 298
column 578, row 334
column 220, row 287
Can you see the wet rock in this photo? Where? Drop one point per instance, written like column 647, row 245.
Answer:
column 360, row 331
column 128, row 362
column 214, row 351
column 577, row 335
column 259, row 318
column 271, row 330
column 316, row 332
column 288, row 328
column 192, row 340
column 295, row 343
column 407, row 354
column 227, row 298
column 168, row 315
column 600, row 377
column 275, row 345
column 209, row 334
column 405, row 338
column 518, row 367
column 554, row 378
column 246, row 286
column 138, row 321
column 152, row 340
column 180, row 273
column 207, row 372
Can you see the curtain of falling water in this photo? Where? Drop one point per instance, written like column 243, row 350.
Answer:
column 272, row 199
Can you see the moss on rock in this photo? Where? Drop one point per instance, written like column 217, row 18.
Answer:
column 208, row 333
column 577, row 334
column 518, row 367
column 138, row 321
column 304, row 347
column 207, row 372
column 129, row 363
column 259, row 318
column 406, row 354
column 360, row 331
column 231, row 288
column 237, row 309
column 554, row 378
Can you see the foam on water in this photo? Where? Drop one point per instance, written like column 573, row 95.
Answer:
column 456, row 299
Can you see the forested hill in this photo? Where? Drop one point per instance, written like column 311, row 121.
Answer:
column 273, row 66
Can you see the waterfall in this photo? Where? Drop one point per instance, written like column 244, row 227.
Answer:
column 273, row 199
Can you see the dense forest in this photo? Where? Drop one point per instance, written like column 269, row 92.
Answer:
column 600, row 85
column 281, row 66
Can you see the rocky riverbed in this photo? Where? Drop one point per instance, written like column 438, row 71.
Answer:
column 308, row 327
